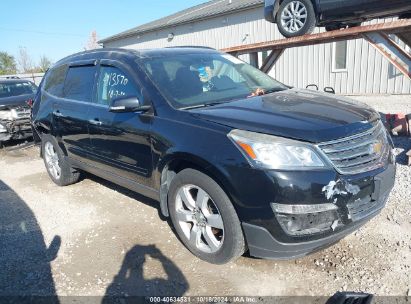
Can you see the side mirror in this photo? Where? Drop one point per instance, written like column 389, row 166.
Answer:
column 127, row 104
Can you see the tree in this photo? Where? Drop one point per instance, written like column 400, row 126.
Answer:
column 7, row 64
column 92, row 42
column 44, row 63
column 24, row 60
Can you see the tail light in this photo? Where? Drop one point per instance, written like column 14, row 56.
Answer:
column 30, row 102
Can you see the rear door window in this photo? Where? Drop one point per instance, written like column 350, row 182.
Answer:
column 79, row 83
column 114, row 83
column 55, row 80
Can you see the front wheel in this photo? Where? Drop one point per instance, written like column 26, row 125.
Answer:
column 296, row 18
column 204, row 217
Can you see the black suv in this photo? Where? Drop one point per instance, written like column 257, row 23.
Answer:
column 236, row 159
column 299, row 17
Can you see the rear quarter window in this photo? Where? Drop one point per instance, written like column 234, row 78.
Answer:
column 79, row 83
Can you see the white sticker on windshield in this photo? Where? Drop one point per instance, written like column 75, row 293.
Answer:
column 233, row 59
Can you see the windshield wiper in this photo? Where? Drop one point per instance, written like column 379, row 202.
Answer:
column 273, row 90
column 204, row 105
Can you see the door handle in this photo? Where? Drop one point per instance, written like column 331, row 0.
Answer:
column 57, row 113
column 95, row 122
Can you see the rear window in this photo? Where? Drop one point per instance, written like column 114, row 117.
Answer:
column 79, row 83
column 16, row 89
column 55, row 80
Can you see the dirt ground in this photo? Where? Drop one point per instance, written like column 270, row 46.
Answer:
column 107, row 240
column 94, row 238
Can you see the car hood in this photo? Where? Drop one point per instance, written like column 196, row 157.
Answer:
column 15, row 101
column 298, row 114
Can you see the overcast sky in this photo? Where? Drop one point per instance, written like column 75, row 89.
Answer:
column 59, row 28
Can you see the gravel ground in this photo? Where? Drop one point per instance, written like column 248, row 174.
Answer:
column 387, row 104
column 94, row 238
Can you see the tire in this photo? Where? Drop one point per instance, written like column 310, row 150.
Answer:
column 354, row 24
column 333, row 27
column 227, row 243
column 301, row 25
column 405, row 16
column 67, row 174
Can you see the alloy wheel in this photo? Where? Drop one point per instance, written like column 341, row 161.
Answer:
column 52, row 160
column 199, row 218
column 294, row 16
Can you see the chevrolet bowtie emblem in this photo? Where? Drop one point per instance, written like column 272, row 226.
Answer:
column 376, row 148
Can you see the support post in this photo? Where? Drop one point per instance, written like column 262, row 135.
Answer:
column 270, row 61
column 254, row 59
column 391, row 51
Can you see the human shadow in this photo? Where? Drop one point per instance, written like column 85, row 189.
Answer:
column 403, row 145
column 130, row 281
column 24, row 257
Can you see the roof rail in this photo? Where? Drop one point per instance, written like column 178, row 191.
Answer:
column 190, row 46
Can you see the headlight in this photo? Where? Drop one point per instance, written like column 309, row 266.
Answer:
column 272, row 152
column 2, row 129
column 5, row 115
column 13, row 114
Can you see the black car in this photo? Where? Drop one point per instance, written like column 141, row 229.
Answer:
column 236, row 159
column 299, row 17
column 14, row 110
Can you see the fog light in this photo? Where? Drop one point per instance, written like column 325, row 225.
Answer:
column 305, row 219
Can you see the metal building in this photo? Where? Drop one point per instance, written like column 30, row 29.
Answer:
column 351, row 67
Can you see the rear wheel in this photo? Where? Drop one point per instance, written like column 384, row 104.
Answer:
column 338, row 26
column 333, row 27
column 58, row 168
column 204, row 218
column 354, row 24
column 296, row 18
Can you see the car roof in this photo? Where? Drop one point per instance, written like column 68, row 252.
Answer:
column 120, row 53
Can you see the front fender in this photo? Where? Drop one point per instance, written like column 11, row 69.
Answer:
column 194, row 162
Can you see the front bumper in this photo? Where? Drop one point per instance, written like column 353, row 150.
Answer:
column 263, row 245
column 267, row 239
column 16, row 129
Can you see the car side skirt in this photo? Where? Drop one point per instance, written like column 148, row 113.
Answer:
column 119, row 180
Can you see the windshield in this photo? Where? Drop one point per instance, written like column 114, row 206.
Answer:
column 16, row 89
column 193, row 80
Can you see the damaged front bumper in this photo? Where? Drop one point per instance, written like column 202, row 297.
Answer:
column 15, row 129
column 313, row 210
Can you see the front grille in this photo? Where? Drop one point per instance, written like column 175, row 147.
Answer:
column 358, row 153
column 23, row 112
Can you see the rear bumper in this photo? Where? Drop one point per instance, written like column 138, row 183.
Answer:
column 269, row 10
